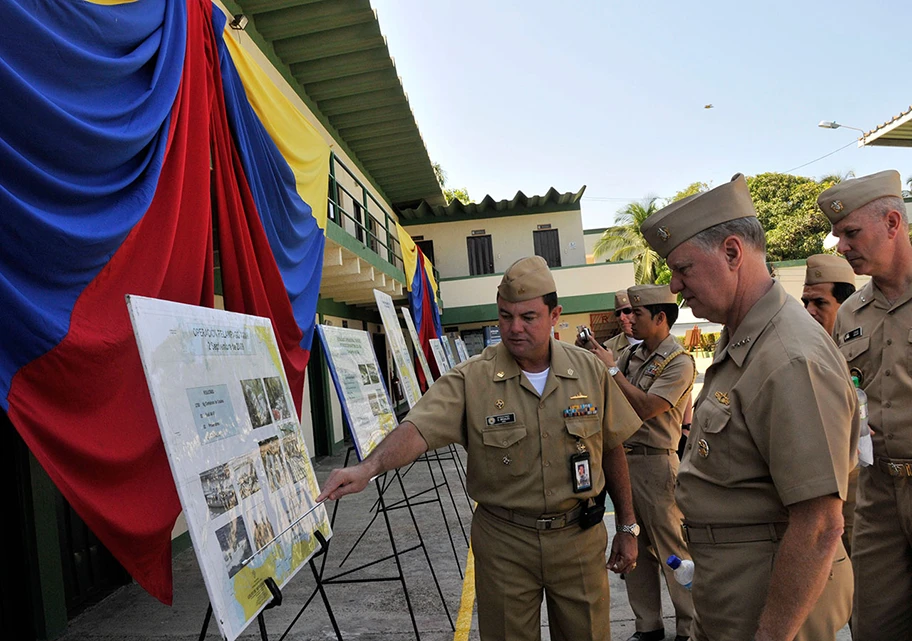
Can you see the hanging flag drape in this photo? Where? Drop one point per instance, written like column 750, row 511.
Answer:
column 106, row 190
column 419, row 275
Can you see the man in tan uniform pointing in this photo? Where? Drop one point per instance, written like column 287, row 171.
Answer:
column 656, row 376
column 766, row 466
column 828, row 282
column 530, row 411
column 874, row 333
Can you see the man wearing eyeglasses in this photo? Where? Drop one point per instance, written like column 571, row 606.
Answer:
column 624, row 313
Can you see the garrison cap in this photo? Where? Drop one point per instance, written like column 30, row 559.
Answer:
column 526, row 279
column 621, row 300
column 684, row 219
column 643, row 295
column 843, row 198
column 828, row 268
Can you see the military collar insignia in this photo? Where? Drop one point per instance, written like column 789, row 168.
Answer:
column 837, row 206
column 722, row 397
column 569, row 371
column 743, row 341
column 500, row 374
column 663, row 233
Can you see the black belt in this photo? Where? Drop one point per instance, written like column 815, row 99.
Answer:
column 694, row 533
column 543, row 522
column 646, row 450
column 897, row 468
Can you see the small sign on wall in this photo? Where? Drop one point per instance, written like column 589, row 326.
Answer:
column 478, row 232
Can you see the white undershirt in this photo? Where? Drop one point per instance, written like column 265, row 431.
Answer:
column 538, row 379
column 634, row 341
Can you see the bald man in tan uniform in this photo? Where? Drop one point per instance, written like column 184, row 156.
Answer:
column 529, row 411
column 656, row 376
column 874, row 333
column 828, row 282
column 775, row 428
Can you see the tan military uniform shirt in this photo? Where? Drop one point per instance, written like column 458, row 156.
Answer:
column 617, row 344
column 671, row 382
column 519, row 445
column 775, row 422
column 876, row 339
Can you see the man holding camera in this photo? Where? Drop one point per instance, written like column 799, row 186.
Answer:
column 656, row 376
column 529, row 411
column 623, row 312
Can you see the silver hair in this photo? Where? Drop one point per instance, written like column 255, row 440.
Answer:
column 747, row 229
column 883, row 206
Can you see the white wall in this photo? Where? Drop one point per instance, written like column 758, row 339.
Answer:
column 511, row 237
column 792, row 279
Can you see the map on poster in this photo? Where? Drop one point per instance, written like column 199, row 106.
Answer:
column 416, row 344
column 397, row 346
column 238, row 457
column 443, row 363
column 461, row 349
column 356, row 375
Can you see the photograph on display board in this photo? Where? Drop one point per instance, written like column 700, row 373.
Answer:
column 278, row 402
column 236, row 450
column 351, row 360
column 255, row 398
column 218, row 490
column 461, row 349
column 443, row 364
column 235, row 545
column 449, row 351
column 408, row 379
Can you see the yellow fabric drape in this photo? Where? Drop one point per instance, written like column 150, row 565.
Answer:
column 303, row 148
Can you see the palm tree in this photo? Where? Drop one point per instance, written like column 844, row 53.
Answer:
column 625, row 241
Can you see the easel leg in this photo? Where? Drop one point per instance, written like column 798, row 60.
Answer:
column 443, row 515
column 206, row 623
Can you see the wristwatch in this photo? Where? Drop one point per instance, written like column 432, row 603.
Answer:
column 613, row 371
column 632, row 529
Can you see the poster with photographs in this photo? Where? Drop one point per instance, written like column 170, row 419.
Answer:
column 236, row 450
column 356, row 375
column 416, row 344
column 449, row 350
column 461, row 349
column 443, row 363
column 396, row 341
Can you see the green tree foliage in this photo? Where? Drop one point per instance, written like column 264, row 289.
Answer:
column 691, row 190
column 625, row 241
column 787, row 208
column 457, row 193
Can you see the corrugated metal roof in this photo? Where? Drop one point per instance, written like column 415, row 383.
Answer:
column 520, row 204
column 336, row 58
column 896, row 132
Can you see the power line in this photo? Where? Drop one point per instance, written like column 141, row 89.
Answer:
column 821, row 158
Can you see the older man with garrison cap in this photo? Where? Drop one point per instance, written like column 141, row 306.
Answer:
column 766, row 467
column 874, row 332
column 530, row 411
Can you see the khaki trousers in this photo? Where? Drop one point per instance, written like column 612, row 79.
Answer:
column 848, row 510
column 731, row 581
column 514, row 565
column 882, row 557
column 652, row 480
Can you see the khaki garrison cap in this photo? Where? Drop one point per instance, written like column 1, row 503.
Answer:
column 828, row 268
column 620, row 299
column 526, row 279
column 684, row 219
column 843, row 198
column 643, row 295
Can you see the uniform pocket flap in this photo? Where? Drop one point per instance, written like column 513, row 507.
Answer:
column 714, row 417
column 504, row 437
column 583, row 426
column 856, row 347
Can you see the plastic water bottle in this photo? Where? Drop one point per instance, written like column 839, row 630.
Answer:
column 683, row 570
column 865, row 446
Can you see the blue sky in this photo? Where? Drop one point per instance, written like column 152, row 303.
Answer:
column 522, row 95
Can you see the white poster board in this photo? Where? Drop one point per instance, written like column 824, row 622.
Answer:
column 453, row 352
column 237, row 454
column 356, row 375
column 443, row 363
column 449, row 351
column 461, row 349
column 396, row 342
column 416, row 344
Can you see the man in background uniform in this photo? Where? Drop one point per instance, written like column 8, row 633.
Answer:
column 828, row 282
column 529, row 411
column 656, row 376
column 624, row 313
column 873, row 332
column 766, row 466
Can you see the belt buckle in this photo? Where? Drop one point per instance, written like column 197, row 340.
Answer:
column 627, row 450
column 550, row 523
column 895, row 469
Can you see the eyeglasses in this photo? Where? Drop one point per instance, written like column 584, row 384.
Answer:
column 626, row 310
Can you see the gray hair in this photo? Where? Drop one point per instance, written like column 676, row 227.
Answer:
column 882, row 206
column 747, row 229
